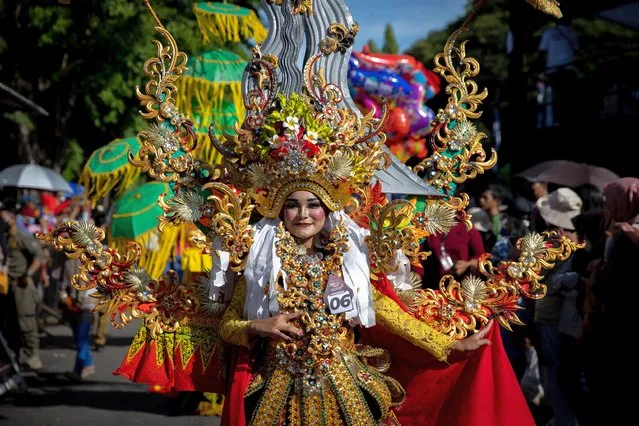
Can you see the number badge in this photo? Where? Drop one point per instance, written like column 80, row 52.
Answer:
column 338, row 296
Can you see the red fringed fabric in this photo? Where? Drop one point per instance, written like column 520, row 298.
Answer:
column 141, row 365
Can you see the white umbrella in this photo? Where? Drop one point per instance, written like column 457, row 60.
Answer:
column 34, row 177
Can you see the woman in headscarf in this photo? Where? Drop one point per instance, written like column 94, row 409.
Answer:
column 616, row 284
column 622, row 249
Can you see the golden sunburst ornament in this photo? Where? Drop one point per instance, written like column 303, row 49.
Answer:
column 340, row 166
column 207, row 304
column 187, row 206
column 462, row 135
column 161, row 137
column 139, row 279
column 532, row 246
column 258, row 176
column 86, row 235
column 441, row 218
column 474, row 292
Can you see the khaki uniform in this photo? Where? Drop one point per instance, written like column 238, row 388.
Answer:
column 21, row 250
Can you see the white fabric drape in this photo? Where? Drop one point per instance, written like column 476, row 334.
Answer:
column 264, row 266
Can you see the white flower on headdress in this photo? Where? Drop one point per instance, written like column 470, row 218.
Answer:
column 292, row 124
column 311, row 136
column 275, row 140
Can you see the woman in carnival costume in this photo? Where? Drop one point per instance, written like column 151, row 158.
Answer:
column 313, row 305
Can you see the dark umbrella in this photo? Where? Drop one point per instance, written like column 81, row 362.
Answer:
column 569, row 173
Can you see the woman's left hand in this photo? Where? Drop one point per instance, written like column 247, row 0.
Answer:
column 475, row 341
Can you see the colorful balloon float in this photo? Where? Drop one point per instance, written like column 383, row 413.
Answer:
column 407, row 84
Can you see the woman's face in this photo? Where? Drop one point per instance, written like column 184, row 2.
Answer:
column 303, row 214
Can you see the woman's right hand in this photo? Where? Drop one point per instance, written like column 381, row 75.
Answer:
column 276, row 327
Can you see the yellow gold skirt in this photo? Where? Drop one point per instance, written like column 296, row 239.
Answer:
column 348, row 391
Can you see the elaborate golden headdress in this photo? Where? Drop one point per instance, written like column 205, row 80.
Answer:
column 302, row 141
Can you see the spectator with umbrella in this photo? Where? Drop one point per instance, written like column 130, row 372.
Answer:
column 569, row 174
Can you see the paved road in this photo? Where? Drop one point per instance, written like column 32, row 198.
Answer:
column 101, row 400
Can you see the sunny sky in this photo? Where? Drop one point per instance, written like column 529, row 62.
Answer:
column 411, row 19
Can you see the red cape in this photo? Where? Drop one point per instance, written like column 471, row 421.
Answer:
column 474, row 389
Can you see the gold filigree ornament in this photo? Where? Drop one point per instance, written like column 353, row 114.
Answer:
column 339, row 39
column 124, row 290
column 167, row 145
column 460, row 308
column 298, row 6
column 231, row 222
column 457, row 151
column 162, row 71
column 303, row 7
column 399, row 226
column 392, row 230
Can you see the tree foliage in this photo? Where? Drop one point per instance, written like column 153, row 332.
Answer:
column 74, row 160
column 390, row 41
column 372, row 46
column 605, row 63
column 602, row 43
column 81, row 62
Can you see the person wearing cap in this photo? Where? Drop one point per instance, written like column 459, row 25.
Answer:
column 24, row 258
column 556, row 316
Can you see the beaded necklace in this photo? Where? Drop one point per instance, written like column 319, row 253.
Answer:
column 309, row 356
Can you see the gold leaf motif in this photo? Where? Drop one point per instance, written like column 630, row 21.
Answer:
column 162, row 71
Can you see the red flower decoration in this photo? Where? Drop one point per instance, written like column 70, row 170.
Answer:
column 310, row 149
column 280, row 152
column 300, row 132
